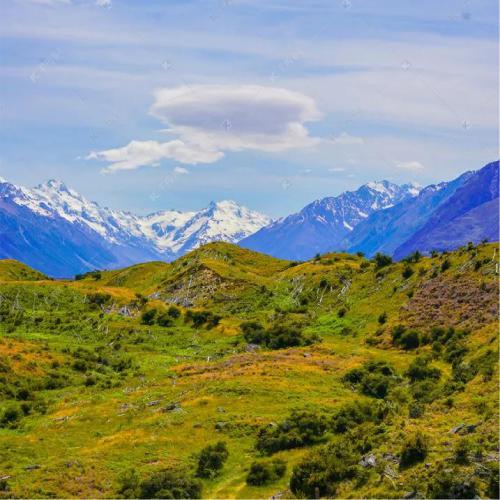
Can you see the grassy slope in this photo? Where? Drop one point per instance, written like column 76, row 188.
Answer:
column 12, row 270
column 90, row 434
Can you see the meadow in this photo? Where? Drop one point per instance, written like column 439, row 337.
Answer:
column 231, row 374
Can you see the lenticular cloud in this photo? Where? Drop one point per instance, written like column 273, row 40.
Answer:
column 207, row 120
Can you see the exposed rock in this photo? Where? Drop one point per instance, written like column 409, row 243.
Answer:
column 368, row 461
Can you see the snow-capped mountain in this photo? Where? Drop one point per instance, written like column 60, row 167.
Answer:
column 322, row 225
column 114, row 237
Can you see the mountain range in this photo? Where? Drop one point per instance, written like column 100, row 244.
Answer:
column 56, row 230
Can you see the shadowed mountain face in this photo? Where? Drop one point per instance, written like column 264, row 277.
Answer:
column 324, row 224
column 386, row 230
column 470, row 214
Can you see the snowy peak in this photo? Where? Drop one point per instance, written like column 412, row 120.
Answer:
column 168, row 233
column 323, row 224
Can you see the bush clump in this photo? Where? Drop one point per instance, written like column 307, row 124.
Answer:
column 352, row 414
column 265, row 472
column 374, row 378
column 414, row 450
column 211, row 460
column 276, row 337
column 200, row 318
column 407, row 339
column 381, row 260
column 320, row 473
column 170, row 483
column 301, row 428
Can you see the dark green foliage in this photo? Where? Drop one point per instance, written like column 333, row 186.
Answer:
column 174, row 312
column 96, row 275
column 276, row 337
column 148, row 317
column 341, row 312
column 172, row 484
column 462, row 451
column 419, row 369
column 164, row 319
column 265, row 472
column 98, row 299
column 414, row 450
column 407, row 272
column 129, row 484
column 11, row 416
column 409, row 339
column 200, row 318
column 211, row 460
column 416, row 410
column 452, row 483
column 373, row 379
column 320, row 472
column 254, row 332
column 382, row 318
column 381, row 260
column 445, row 265
column 413, row 257
column 301, row 428
column 352, row 414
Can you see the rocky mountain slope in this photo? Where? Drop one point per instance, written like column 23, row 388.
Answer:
column 322, row 225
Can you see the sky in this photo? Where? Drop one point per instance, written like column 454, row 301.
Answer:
column 151, row 105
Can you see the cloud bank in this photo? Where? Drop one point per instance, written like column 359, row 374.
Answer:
column 209, row 120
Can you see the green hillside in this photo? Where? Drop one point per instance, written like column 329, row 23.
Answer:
column 337, row 377
column 12, row 270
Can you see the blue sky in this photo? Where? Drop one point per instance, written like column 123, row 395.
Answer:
column 171, row 104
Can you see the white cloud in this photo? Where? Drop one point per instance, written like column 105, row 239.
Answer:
column 336, row 169
column 409, row 165
column 103, row 3
column 138, row 153
column 209, row 120
column 346, row 139
column 181, row 171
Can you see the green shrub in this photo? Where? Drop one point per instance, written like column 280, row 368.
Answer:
column 265, row 472
column 382, row 318
column 302, row 428
column 129, row 482
column 414, row 450
column 200, row 318
column 446, row 264
column 148, row 317
column 381, row 260
column 451, row 483
column 174, row 312
column 407, row 272
column 409, row 340
column 462, row 450
column 172, row 484
column 374, row 378
column 211, row 460
column 11, row 416
column 164, row 320
column 320, row 472
column 352, row 414
column 419, row 369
